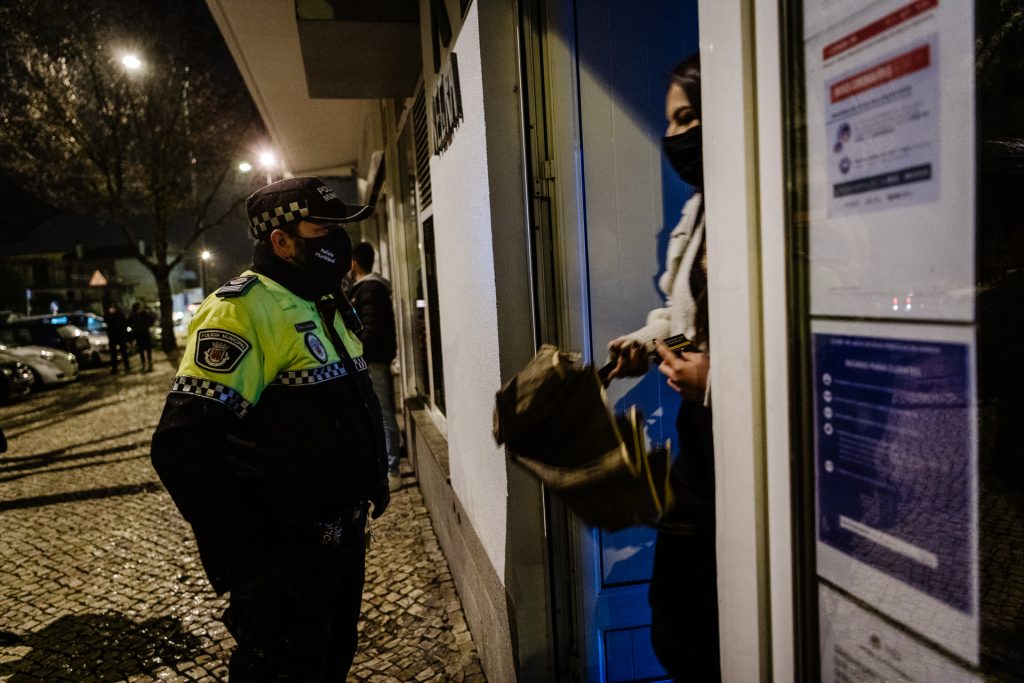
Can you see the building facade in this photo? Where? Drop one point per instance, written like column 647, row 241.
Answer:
column 864, row 276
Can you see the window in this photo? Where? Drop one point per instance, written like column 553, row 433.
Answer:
column 907, row 163
column 420, row 309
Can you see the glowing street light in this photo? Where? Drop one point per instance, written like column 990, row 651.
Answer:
column 131, row 62
column 268, row 161
column 204, row 256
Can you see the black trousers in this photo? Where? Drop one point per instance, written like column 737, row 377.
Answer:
column 145, row 349
column 119, row 348
column 295, row 620
column 684, row 586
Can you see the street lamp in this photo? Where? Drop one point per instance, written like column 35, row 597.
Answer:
column 204, row 256
column 131, row 62
column 268, row 161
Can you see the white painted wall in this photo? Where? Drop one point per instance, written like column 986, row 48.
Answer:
column 466, row 287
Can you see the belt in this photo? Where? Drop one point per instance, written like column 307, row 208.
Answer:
column 334, row 532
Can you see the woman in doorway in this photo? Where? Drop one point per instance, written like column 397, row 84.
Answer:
column 683, row 592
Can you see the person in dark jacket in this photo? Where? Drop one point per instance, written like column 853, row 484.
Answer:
column 271, row 442
column 371, row 297
column 117, row 337
column 140, row 321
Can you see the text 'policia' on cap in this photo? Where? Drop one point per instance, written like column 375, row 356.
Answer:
column 292, row 200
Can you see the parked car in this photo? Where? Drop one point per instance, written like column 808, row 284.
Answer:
column 15, row 379
column 52, row 332
column 48, row 366
column 94, row 325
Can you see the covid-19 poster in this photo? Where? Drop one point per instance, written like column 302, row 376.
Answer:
column 895, row 434
column 890, row 150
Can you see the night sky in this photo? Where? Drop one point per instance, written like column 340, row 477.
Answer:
column 229, row 243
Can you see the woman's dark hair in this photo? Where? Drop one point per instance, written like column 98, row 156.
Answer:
column 686, row 74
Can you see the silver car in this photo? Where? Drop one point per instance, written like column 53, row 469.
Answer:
column 48, row 366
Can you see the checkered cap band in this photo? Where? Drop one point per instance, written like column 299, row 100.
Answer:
column 265, row 223
column 183, row 384
column 324, row 373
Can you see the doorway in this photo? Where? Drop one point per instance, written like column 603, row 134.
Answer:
column 604, row 204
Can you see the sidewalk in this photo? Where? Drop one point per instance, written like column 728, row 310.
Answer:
column 100, row 577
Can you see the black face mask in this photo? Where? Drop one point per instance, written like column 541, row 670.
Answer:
column 326, row 259
column 685, row 154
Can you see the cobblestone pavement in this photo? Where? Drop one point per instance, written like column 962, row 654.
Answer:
column 100, row 579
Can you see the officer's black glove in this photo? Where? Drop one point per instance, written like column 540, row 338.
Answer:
column 381, row 498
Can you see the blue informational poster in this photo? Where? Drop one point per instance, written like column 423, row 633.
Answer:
column 894, row 460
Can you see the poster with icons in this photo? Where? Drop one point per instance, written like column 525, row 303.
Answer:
column 896, row 457
column 859, row 646
column 890, row 152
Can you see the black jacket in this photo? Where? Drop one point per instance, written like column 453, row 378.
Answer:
column 117, row 327
column 140, row 323
column 268, row 429
column 371, row 298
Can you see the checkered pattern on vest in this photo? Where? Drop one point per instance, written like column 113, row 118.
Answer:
column 311, row 376
column 215, row 391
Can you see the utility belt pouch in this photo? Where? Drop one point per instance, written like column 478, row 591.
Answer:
column 334, row 532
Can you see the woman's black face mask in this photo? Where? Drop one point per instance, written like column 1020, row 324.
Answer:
column 685, row 154
column 327, row 258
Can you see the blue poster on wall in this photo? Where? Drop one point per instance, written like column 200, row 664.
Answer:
column 895, row 460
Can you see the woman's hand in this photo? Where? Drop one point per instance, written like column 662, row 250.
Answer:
column 687, row 372
column 631, row 358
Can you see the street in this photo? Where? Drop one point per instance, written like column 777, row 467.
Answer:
column 101, row 580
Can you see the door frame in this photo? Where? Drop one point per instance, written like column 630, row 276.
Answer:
column 748, row 253
column 749, row 249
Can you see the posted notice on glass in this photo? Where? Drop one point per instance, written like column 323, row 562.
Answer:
column 882, row 130
column 890, row 157
column 896, row 471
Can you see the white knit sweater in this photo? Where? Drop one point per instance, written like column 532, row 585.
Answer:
column 678, row 315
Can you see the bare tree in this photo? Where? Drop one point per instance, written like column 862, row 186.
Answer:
column 149, row 149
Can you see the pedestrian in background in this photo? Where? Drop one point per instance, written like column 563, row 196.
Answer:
column 271, row 441
column 117, row 337
column 371, row 297
column 140, row 321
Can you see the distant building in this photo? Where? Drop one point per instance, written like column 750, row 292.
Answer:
column 90, row 277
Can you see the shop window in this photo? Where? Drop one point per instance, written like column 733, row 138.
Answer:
column 433, row 314
column 907, row 163
column 421, row 308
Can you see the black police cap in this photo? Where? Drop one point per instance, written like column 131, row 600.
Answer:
column 291, row 200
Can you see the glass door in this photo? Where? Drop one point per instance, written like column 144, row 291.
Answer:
column 906, row 169
column 632, row 201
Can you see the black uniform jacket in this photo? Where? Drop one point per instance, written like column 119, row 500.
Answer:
column 265, row 432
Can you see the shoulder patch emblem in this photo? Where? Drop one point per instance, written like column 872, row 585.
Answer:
column 237, row 286
column 306, row 326
column 220, row 350
column 316, row 347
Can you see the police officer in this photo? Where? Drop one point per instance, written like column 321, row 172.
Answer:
column 271, row 442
